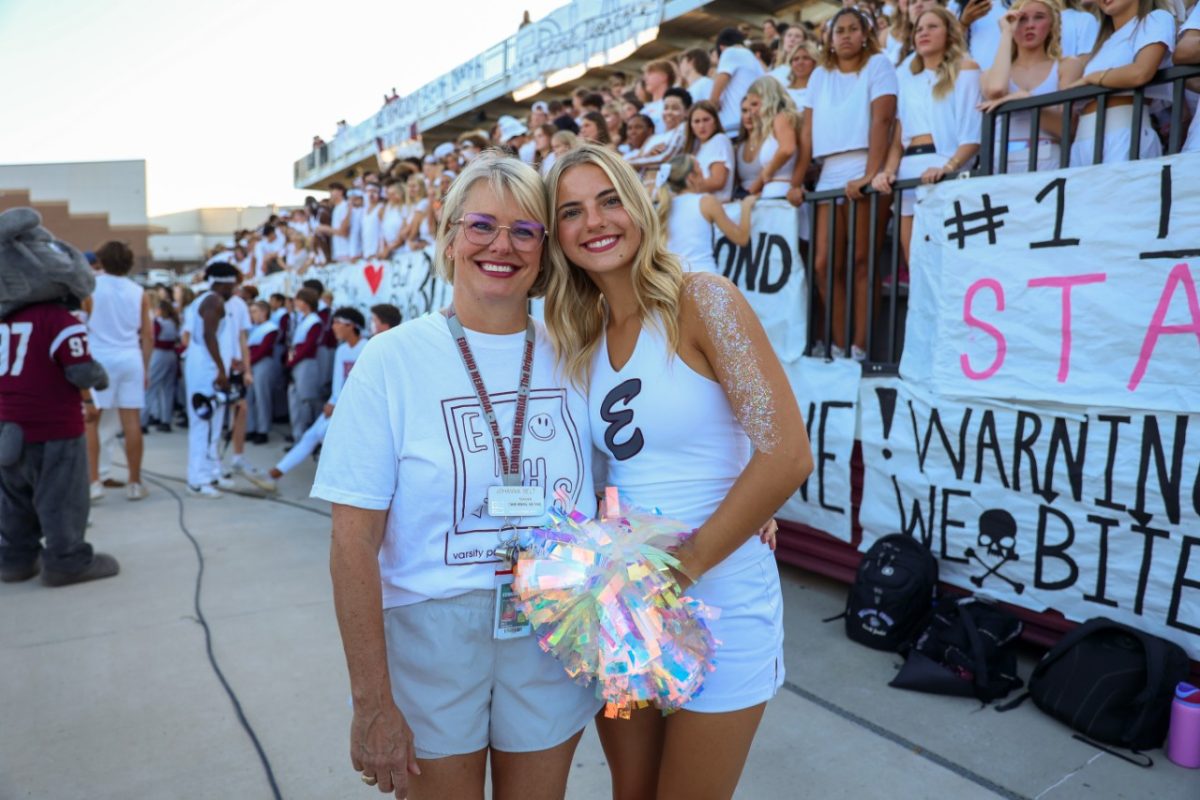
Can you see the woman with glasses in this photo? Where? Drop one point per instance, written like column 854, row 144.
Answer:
column 693, row 414
column 440, row 421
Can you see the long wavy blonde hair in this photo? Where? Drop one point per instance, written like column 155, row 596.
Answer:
column 575, row 308
column 952, row 56
column 774, row 100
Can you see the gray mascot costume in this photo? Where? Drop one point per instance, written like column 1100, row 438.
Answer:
column 44, row 363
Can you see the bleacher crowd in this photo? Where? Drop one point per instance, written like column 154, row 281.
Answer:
column 875, row 95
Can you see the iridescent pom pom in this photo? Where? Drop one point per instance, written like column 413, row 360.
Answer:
column 602, row 600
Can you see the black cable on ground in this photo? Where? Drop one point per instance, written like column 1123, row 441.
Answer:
column 212, row 659
column 255, row 495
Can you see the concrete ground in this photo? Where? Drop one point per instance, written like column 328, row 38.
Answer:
column 107, row 691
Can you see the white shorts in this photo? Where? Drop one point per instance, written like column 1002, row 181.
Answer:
column 913, row 167
column 126, row 379
column 1118, row 135
column 840, row 168
column 749, row 659
column 462, row 690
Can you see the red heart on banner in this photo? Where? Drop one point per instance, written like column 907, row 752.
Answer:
column 374, row 275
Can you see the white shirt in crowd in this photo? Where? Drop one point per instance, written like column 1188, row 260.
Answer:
column 985, row 36
column 701, row 88
column 718, row 150
column 268, row 247
column 229, row 339
column 654, row 110
column 340, row 245
column 116, row 318
column 409, row 437
column 356, row 221
column 1079, row 32
column 952, row 119
column 528, row 151
column 841, row 104
column 1192, row 145
column 343, row 361
column 743, row 68
column 1126, row 42
column 371, row 228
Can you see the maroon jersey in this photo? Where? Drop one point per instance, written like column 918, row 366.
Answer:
column 36, row 344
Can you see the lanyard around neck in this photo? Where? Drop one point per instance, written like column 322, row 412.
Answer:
column 510, row 463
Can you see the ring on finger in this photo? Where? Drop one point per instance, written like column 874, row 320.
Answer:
column 369, row 780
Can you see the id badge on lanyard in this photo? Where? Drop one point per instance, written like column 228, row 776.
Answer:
column 511, row 499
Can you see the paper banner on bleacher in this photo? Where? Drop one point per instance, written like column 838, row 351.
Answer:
column 1089, row 512
column 827, row 392
column 1077, row 287
column 408, row 281
column 770, row 272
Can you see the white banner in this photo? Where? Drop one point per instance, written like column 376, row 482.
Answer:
column 1095, row 512
column 1076, row 287
column 828, row 395
column 407, row 281
column 770, row 272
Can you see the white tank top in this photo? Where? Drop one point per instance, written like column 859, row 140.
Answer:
column 116, row 314
column 1019, row 123
column 669, row 437
column 392, row 224
column 747, row 171
column 689, row 234
column 782, row 179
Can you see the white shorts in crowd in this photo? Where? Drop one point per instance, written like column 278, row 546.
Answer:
column 840, row 168
column 126, row 379
column 913, row 167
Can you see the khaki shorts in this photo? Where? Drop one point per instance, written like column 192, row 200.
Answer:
column 462, row 690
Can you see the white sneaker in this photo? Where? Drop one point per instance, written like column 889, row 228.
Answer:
column 857, row 353
column 135, row 491
column 259, row 478
column 837, row 352
column 96, row 492
column 238, row 468
column 225, row 483
column 204, row 492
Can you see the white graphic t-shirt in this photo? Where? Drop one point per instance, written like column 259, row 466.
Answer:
column 409, row 436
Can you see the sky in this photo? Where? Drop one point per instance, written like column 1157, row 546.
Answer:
column 220, row 97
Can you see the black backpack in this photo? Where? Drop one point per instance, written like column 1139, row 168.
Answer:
column 892, row 593
column 1111, row 682
column 966, row 650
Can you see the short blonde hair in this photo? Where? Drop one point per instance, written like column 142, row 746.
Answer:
column 574, row 309
column 505, row 176
column 1053, row 44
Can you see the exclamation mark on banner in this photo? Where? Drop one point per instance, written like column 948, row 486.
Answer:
column 887, row 410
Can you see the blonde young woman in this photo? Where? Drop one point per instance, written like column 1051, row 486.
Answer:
column 688, row 214
column 418, row 230
column 937, row 130
column 801, row 62
column 771, row 137
column 851, row 107
column 1136, row 40
column 1027, row 65
column 393, row 220
column 694, row 415
column 436, row 693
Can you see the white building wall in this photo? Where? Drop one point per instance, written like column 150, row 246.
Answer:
column 116, row 188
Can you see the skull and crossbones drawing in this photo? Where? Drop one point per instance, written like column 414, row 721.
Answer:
column 997, row 540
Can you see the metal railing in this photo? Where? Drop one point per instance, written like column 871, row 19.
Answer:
column 885, row 321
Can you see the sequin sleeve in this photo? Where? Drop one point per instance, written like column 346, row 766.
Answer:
column 728, row 320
